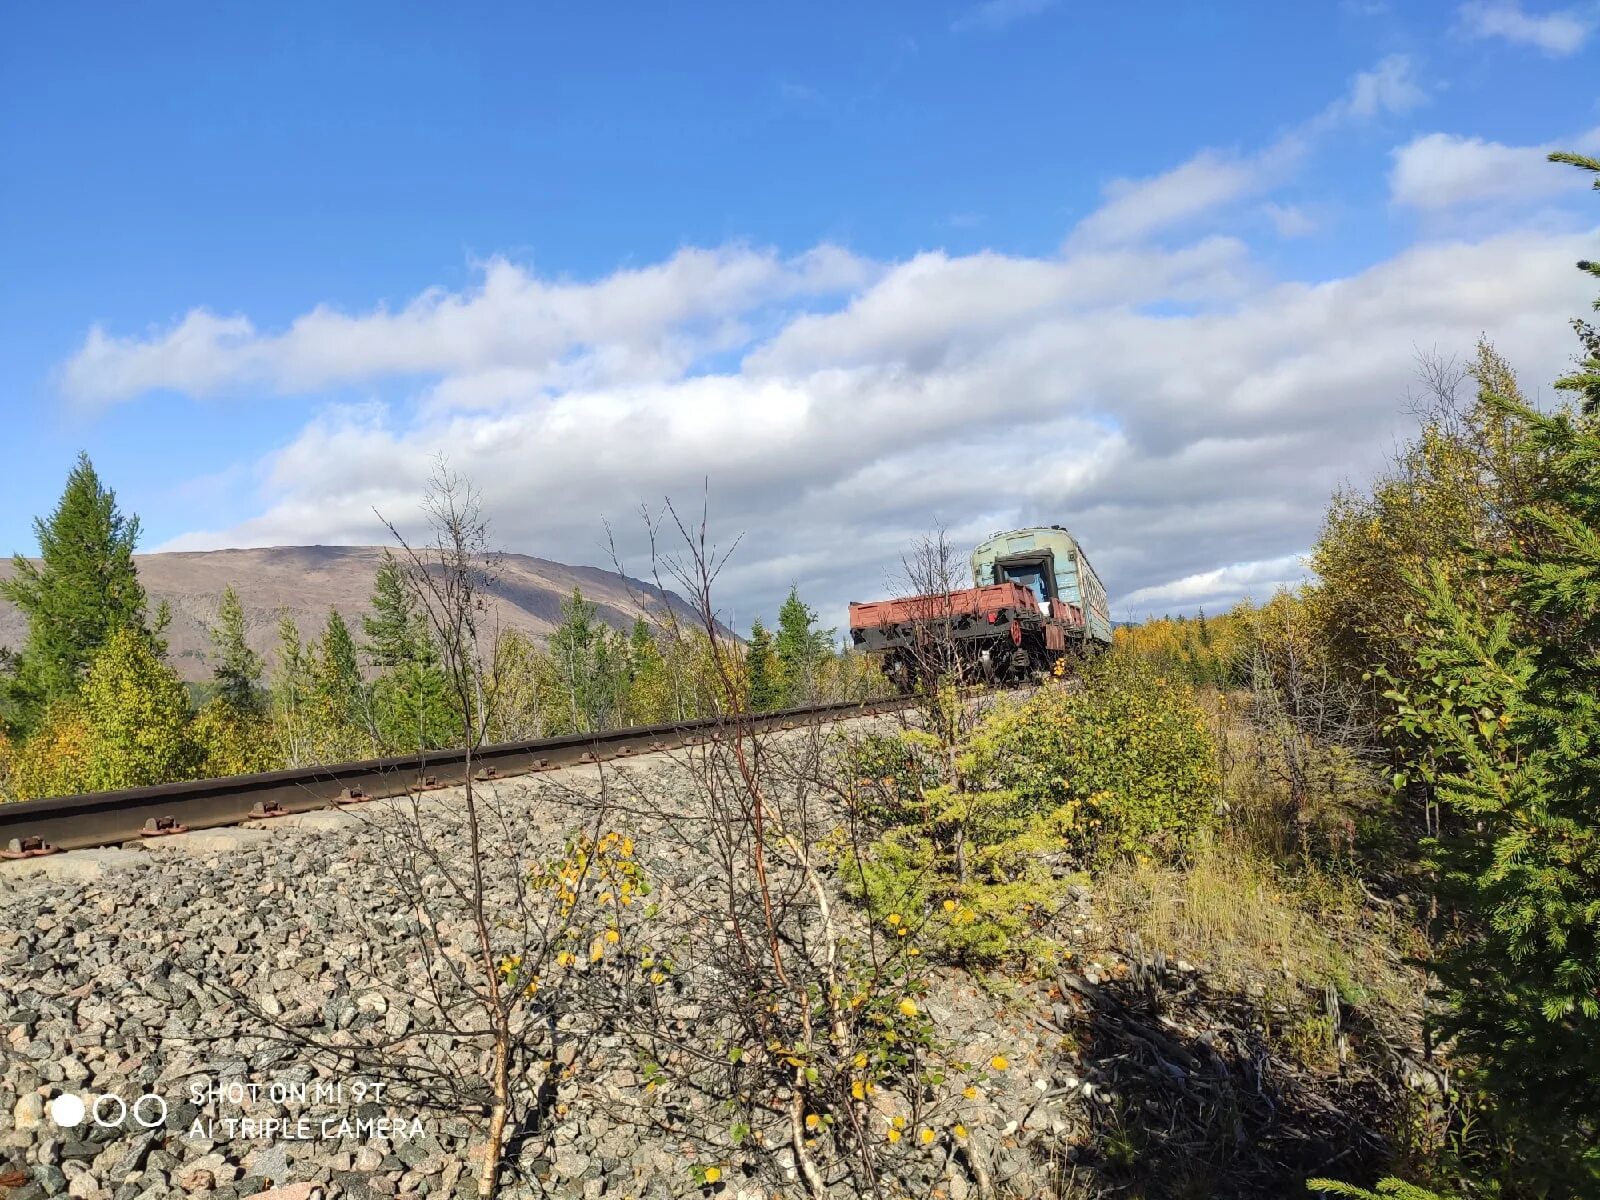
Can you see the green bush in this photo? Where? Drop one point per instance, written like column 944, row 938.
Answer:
column 1123, row 764
column 978, row 841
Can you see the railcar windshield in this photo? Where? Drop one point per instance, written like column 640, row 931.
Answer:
column 1033, row 573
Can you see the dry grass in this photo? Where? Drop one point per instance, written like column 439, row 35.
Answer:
column 1245, row 919
column 1304, row 944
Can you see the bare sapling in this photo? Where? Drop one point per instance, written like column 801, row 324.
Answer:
column 803, row 1012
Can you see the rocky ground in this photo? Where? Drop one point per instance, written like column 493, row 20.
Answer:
column 119, row 986
column 198, row 964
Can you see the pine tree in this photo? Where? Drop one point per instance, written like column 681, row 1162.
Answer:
column 800, row 648
column 763, row 672
column 83, row 590
column 138, row 714
column 238, row 669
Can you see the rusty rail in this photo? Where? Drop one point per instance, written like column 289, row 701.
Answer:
column 108, row 818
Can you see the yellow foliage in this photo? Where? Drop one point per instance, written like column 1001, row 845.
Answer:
column 54, row 761
column 231, row 743
column 138, row 715
column 1204, row 651
column 1454, row 485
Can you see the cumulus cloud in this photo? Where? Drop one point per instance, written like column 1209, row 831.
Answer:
column 1557, row 33
column 631, row 324
column 1441, row 170
column 983, row 391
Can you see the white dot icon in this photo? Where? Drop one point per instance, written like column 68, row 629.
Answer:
column 67, row 1110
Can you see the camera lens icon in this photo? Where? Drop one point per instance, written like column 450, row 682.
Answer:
column 67, row 1110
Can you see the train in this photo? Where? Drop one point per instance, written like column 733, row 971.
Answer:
column 1034, row 604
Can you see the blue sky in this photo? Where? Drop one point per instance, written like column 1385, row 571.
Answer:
column 866, row 266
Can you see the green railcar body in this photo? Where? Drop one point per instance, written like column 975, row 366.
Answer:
column 1049, row 560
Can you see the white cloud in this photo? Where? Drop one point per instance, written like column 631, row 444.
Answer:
column 1387, row 89
column 1441, row 170
column 998, row 14
column 984, row 390
column 1255, row 579
column 1557, row 33
column 1136, row 209
column 632, row 324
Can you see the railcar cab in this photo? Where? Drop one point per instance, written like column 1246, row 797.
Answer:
column 1034, row 570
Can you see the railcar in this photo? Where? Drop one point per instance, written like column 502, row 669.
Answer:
column 1035, row 602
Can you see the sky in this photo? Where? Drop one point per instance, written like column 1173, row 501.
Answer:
column 1160, row 273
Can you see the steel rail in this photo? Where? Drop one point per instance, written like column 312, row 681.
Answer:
column 109, row 818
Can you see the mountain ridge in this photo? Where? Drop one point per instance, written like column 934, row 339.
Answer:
column 307, row 581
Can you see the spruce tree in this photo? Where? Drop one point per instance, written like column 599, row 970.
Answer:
column 648, row 695
column 238, row 668
column 409, row 707
column 591, row 663
column 395, row 633
column 800, row 648
column 763, row 673
column 1502, row 706
column 1505, row 709
column 83, row 590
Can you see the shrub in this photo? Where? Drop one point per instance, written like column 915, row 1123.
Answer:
column 231, row 742
column 1205, row 651
column 1123, row 764
column 54, row 761
column 981, row 838
column 138, row 713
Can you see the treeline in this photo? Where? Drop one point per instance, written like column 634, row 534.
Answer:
column 90, row 702
column 1453, row 634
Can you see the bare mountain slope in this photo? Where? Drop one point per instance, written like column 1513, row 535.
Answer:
column 309, row 580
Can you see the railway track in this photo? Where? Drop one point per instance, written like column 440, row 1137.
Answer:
column 110, row 818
